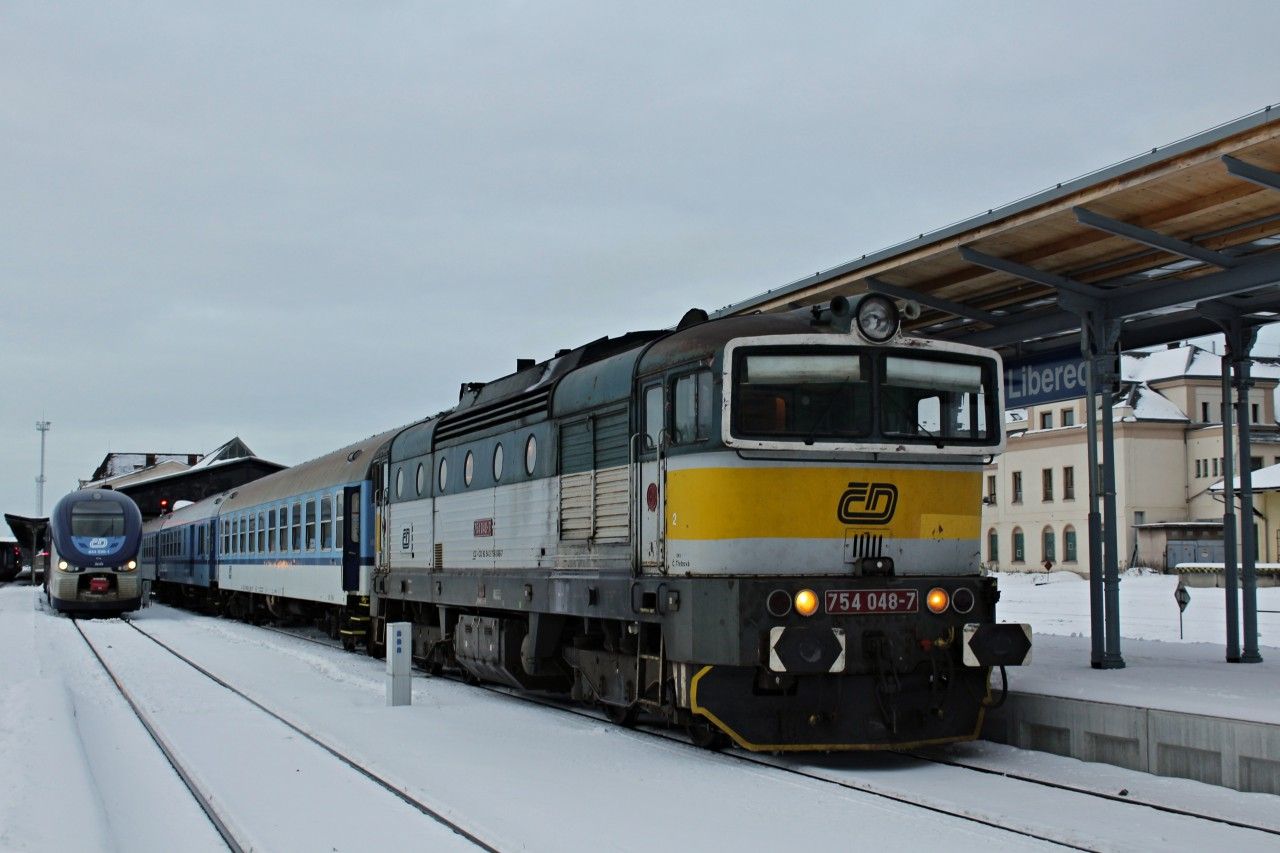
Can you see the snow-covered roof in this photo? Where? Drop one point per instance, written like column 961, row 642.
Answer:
column 1263, row 480
column 233, row 449
column 164, row 468
column 1147, row 404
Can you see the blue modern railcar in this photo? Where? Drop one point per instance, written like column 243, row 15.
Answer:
column 94, row 538
column 296, row 545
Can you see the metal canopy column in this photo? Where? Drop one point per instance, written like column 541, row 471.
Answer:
column 1240, row 332
column 1099, row 345
column 1099, row 339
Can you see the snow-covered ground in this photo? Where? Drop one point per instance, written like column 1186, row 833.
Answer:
column 1162, row 671
column 83, row 775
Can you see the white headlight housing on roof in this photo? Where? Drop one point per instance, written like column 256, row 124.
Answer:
column 877, row 318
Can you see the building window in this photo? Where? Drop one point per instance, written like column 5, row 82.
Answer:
column 1069, row 544
column 1068, row 417
column 1047, row 545
column 1046, row 484
column 1069, row 483
column 1255, row 462
column 1253, row 413
column 1204, row 413
column 1017, row 487
column 1019, row 554
column 1199, row 469
column 993, row 545
column 1139, row 517
column 1215, row 466
column 991, row 488
column 1046, row 420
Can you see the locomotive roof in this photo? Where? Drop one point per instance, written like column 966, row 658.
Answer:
column 349, row 464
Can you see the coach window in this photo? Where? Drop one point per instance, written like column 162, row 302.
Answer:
column 420, row 481
column 295, row 511
column 654, row 417
column 253, row 533
column 444, row 473
column 530, row 454
column 337, row 519
column 468, row 468
column 226, row 535
column 262, row 532
column 244, row 533
column 326, row 522
column 399, row 482
column 497, row 463
column 271, row 530
column 311, row 524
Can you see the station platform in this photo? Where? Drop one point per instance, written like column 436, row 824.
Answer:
column 1176, row 709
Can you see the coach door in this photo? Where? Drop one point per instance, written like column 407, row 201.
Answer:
column 650, row 492
column 351, row 538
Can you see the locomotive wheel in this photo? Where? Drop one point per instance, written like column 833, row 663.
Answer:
column 622, row 715
column 706, row 736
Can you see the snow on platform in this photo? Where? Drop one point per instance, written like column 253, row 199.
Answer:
column 1176, row 709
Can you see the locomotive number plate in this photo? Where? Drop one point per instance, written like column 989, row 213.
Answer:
column 846, row 601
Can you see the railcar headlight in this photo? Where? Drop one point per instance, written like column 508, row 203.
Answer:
column 806, row 602
column 62, row 565
column 962, row 600
column 937, row 600
column 878, row 318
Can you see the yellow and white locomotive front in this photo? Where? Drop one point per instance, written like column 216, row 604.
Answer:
column 840, row 511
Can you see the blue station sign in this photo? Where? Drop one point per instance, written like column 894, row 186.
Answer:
column 1044, row 379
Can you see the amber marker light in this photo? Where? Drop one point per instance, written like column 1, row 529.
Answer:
column 806, row 602
column 937, row 599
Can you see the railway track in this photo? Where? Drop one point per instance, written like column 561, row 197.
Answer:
column 794, row 767
column 220, row 804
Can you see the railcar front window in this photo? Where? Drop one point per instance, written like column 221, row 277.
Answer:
column 935, row 401
column 97, row 518
column 805, row 396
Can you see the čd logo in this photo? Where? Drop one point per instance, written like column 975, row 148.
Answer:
column 868, row 503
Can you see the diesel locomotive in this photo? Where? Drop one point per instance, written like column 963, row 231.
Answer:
column 763, row 528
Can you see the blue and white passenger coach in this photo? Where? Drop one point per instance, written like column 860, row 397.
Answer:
column 93, row 554
column 297, row 544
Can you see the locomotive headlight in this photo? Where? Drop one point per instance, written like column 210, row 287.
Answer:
column 937, row 600
column 806, row 602
column 129, row 566
column 62, row 565
column 779, row 603
column 877, row 318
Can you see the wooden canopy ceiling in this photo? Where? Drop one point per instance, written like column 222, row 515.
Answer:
column 1151, row 241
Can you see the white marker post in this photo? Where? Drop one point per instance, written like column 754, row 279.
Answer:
column 399, row 661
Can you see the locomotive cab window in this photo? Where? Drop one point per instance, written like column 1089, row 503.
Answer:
column 653, row 416
column 97, row 518
column 931, row 400
column 691, row 403
column 807, row 395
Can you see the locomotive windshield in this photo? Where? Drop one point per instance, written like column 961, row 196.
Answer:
column 832, row 394
column 97, row 518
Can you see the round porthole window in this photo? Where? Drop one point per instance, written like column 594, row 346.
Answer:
column 444, row 473
column 399, row 482
column 497, row 463
column 530, row 454
column 421, row 480
column 468, row 469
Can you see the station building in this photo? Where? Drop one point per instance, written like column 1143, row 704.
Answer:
column 1168, row 444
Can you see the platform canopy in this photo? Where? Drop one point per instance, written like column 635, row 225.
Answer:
column 1160, row 241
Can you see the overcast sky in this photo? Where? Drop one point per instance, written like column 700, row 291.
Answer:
column 304, row 223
